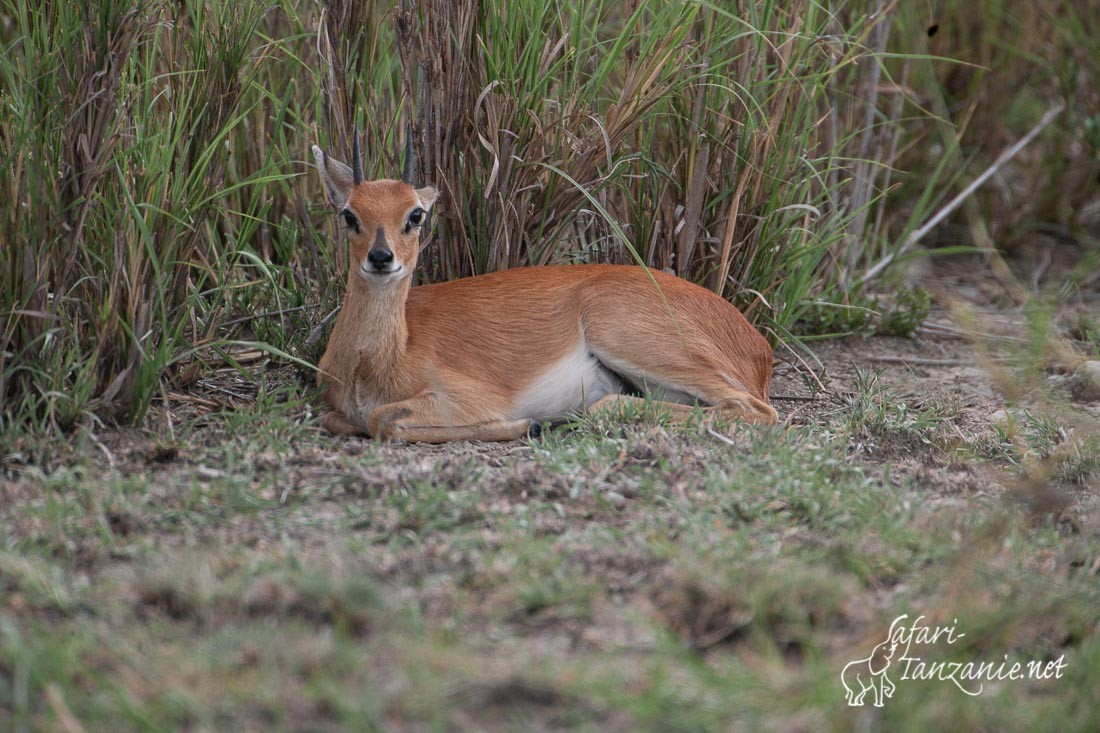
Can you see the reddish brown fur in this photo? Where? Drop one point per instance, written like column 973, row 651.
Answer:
column 448, row 361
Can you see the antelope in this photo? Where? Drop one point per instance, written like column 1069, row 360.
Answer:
column 490, row 357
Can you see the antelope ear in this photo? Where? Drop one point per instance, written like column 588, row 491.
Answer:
column 427, row 196
column 337, row 177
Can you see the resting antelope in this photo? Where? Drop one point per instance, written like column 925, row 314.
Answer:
column 490, row 357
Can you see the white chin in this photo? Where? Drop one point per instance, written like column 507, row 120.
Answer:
column 391, row 276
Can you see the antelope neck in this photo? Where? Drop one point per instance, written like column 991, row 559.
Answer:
column 372, row 324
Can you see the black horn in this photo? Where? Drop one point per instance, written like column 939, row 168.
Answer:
column 409, row 173
column 356, row 157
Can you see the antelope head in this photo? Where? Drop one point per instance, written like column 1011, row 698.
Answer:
column 383, row 218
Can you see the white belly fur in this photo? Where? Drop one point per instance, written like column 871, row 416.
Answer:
column 569, row 385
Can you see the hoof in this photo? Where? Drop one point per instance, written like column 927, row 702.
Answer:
column 534, row 430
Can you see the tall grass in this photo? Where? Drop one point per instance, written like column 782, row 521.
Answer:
column 686, row 136
column 120, row 183
column 1012, row 63
column 158, row 199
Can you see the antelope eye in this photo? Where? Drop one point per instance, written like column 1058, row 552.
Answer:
column 350, row 220
column 416, row 216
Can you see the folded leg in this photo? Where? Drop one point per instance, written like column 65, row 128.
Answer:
column 420, row 420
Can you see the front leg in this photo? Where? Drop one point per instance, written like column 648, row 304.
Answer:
column 419, row 420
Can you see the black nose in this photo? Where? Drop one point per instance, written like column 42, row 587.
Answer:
column 380, row 258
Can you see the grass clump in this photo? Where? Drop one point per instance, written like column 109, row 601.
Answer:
column 833, row 320
column 911, row 306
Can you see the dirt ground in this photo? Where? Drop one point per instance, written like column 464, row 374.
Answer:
column 537, row 585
